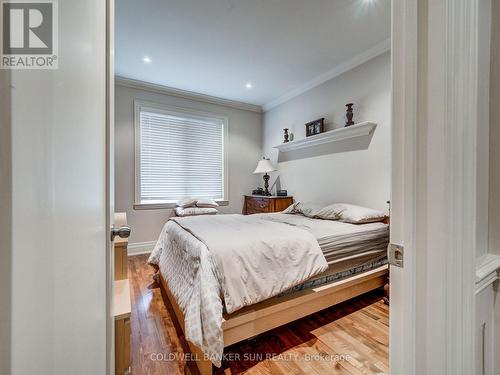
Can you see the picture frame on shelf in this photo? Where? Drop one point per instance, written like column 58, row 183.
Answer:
column 315, row 127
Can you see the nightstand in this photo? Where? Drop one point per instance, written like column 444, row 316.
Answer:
column 258, row 204
column 121, row 302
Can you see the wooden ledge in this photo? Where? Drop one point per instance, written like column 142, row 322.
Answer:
column 121, row 299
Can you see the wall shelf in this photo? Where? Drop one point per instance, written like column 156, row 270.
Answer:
column 486, row 268
column 353, row 131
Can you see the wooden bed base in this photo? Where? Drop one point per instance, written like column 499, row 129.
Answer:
column 274, row 312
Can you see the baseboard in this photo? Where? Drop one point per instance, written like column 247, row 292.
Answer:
column 140, row 248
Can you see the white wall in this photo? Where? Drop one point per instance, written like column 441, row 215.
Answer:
column 349, row 171
column 244, row 151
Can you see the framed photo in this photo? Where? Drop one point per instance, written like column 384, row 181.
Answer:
column 315, row 127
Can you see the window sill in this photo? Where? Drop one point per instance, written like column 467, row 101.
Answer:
column 163, row 206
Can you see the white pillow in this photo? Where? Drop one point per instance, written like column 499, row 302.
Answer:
column 187, row 202
column 195, row 211
column 289, row 209
column 328, row 213
column 350, row 213
column 206, row 202
column 307, row 209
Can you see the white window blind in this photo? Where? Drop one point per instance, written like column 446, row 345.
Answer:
column 180, row 156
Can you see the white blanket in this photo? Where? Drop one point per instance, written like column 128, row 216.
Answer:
column 257, row 259
column 245, row 258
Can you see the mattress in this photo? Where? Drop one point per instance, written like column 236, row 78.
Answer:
column 339, row 272
column 341, row 242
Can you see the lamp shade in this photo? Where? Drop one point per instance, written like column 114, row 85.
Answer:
column 264, row 166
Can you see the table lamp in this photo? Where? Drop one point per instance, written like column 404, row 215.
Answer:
column 265, row 166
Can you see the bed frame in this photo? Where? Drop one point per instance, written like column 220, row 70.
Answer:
column 277, row 311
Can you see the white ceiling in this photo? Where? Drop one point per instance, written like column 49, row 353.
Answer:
column 215, row 47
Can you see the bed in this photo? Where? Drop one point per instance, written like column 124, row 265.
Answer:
column 262, row 271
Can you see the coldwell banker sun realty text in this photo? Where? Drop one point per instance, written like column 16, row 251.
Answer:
column 29, row 34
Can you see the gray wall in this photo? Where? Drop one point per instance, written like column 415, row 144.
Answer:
column 357, row 172
column 349, row 171
column 244, row 151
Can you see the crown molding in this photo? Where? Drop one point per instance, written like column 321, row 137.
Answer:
column 160, row 89
column 352, row 63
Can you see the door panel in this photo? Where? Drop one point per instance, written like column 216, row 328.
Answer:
column 59, row 202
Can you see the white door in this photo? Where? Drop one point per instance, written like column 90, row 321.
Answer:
column 57, row 253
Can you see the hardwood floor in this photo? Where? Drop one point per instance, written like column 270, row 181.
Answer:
column 350, row 338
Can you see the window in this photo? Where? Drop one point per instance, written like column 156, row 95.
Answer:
column 179, row 153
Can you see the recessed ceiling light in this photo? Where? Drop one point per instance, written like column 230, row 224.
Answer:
column 248, row 85
column 147, row 59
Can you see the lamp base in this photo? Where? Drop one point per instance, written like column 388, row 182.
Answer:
column 266, row 184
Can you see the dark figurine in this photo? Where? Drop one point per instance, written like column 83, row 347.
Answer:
column 349, row 115
column 286, row 136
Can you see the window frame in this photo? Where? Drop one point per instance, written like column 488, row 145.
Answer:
column 166, row 109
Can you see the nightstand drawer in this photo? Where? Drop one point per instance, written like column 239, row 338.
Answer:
column 258, row 205
column 255, row 204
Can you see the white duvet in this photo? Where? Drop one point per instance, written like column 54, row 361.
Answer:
column 245, row 259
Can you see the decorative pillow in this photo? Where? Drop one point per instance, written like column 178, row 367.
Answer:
column 206, row 202
column 350, row 213
column 194, row 211
column 187, row 202
column 307, row 209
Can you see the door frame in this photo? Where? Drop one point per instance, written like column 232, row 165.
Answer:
column 434, row 60
column 404, row 90
column 433, row 211
column 110, row 184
